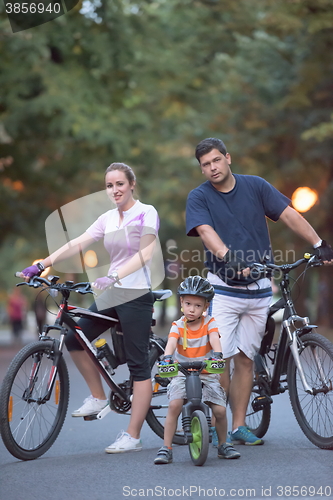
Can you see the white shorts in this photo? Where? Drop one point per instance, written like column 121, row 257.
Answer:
column 241, row 321
column 212, row 392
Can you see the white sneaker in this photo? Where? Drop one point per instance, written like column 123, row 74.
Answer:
column 124, row 442
column 91, row 406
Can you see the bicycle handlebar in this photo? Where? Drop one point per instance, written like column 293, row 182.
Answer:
column 192, row 365
column 311, row 259
column 38, row 281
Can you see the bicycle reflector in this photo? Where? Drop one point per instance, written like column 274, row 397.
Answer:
column 170, row 370
column 215, row 365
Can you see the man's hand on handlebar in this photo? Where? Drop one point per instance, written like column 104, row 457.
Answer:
column 236, row 268
column 325, row 253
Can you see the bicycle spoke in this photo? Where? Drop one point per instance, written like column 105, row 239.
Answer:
column 33, row 422
column 314, row 412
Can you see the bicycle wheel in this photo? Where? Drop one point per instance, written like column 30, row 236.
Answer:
column 29, row 425
column 314, row 413
column 257, row 421
column 159, row 406
column 200, row 438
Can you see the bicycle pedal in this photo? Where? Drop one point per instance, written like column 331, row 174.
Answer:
column 261, row 402
column 90, row 417
column 163, row 382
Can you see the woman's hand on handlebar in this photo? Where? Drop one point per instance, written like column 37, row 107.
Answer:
column 104, row 283
column 29, row 272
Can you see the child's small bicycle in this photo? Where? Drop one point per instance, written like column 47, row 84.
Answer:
column 196, row 418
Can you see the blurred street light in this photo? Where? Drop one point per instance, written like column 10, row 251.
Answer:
column 303, row 198
column 90, row 258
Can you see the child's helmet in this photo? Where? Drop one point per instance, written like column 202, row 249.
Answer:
column 196, row 285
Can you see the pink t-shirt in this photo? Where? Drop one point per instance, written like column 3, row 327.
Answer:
column 122, row 242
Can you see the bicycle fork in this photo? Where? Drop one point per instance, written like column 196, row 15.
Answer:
column 194, row 402
column 294, row 347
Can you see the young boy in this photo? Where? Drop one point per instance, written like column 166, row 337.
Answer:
column 195, row 336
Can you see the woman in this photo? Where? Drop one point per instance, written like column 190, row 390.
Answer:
column 129, row 233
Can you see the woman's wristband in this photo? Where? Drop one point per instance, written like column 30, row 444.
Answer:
column 40, row 266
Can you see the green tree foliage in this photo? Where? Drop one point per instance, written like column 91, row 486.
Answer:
column 148, row 82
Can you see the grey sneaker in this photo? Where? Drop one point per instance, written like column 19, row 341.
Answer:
column 226, row 450
column 164, row 456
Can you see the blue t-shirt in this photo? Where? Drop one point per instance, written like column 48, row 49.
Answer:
column 238, row 217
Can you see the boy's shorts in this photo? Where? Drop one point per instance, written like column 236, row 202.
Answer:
column 212, row 392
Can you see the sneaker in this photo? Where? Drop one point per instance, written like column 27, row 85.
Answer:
column 243, row 435
column 227, row 451
column 164, row 456
column 215, row 439
column 124, row 442
column 91, row 406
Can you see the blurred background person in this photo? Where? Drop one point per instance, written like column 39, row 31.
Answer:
column 17, row 310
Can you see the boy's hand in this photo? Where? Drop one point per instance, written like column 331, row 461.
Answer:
column 216, row 356
column 166, row 360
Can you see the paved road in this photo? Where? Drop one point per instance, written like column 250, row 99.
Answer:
column 77, row 468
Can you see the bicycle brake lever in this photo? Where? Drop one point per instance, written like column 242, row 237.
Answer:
column 315, row 261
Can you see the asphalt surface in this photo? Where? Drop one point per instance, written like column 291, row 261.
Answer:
column 77, row 468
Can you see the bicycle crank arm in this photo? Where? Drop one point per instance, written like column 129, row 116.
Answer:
column 98, row 416
column 104, row 412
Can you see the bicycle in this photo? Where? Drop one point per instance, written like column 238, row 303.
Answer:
column 196, row 420
column 301, row 362
column 34, row 394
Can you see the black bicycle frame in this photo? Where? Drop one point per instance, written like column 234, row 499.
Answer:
column 282, row 351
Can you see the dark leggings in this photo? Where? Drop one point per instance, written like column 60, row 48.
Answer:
column 135, row 315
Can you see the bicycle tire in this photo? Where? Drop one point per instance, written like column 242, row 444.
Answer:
column 199, row 446
column 156, row 417
column 29, row 428
column 258, row 422
column 313, row 412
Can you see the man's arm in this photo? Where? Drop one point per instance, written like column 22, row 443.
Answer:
column 212, row 241
column 214, row 244
column 302, row 228
column 299, row 225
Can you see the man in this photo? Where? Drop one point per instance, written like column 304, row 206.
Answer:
column 228, row 212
